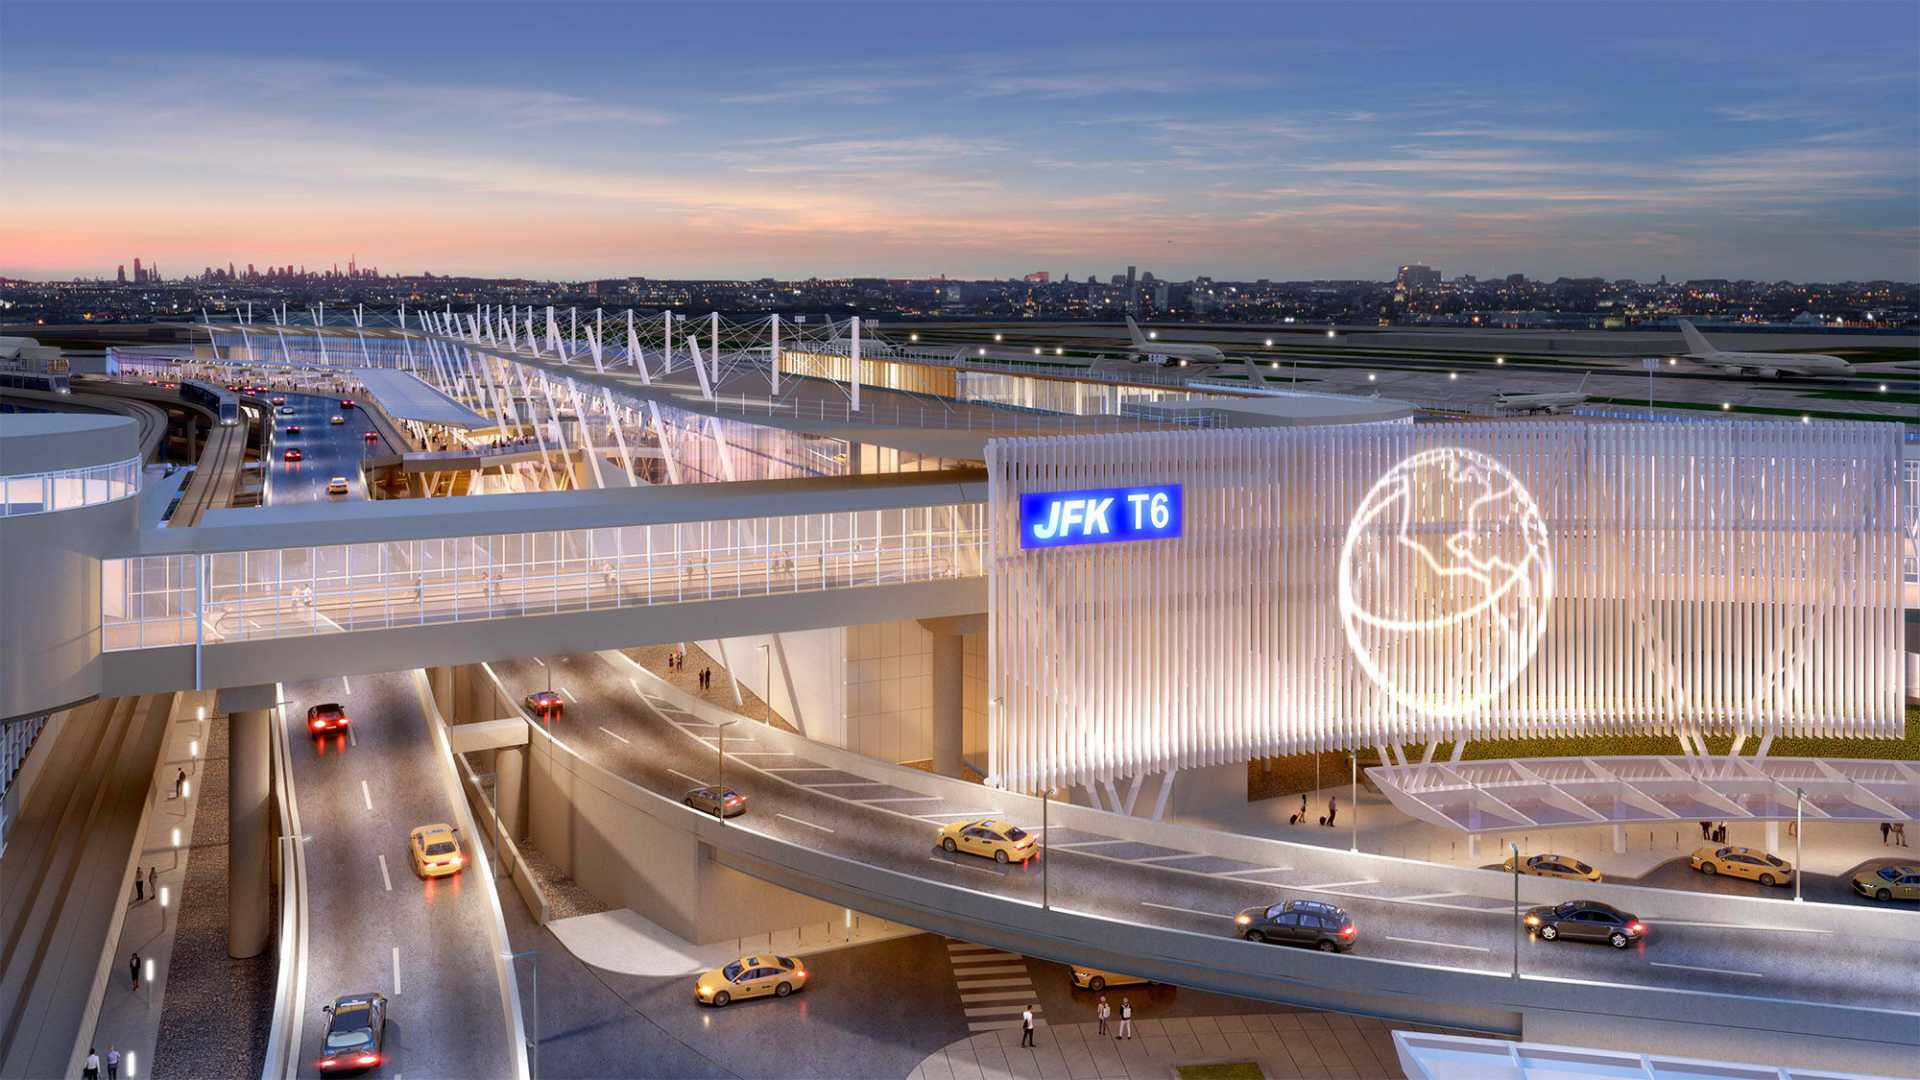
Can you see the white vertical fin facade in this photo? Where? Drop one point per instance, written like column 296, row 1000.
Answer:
column 1331, row 588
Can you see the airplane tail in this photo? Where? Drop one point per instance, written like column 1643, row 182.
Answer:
column 1697, row 343
column 1139, row 339
column 1583, row 381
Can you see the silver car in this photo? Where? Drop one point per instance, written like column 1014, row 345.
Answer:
column 720, row 802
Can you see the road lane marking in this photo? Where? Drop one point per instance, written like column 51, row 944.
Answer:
column 848, row 783
column 998, row 969
column 347, row 684
column 1739, row 926
column 383, row 873
column 1431, row 896
column 992, row 956
column 1157, row 858
column 1437, row 944
column 568, row 694
column 804, row 768
column 910, row 798
column 351, row 740
column 1188, row 910
column 619, row 736
column 537, row 660
column 963, row 866
column 997, row 995
column 396, row 971
column 971, row 984
column 366, row 794
column 1000, row 1010
column 1709, row 970
column 932, row 814
column 766, row 753
column 808, row 824
column 684, row 776
column 1262, row 870
column 1342, row 884
column 968, row 946
column 1091, row 843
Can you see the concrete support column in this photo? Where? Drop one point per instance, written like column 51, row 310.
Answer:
column 510, row 790
column 949, row 690
column 1773, row 837
column 440, row 681
column 1619, row 839
column 249, row 832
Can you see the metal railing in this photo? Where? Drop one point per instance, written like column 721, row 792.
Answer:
column 68, row 489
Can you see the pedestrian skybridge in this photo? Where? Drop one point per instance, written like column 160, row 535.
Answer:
column 389, row 583
column 1496, row 796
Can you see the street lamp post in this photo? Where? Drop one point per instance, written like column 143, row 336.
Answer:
column 533, row 1036
column 1046, row 854
column 766, row 652
column 720, row 753
column 1353, row 810
column 1799, row 826
column 1515, row 848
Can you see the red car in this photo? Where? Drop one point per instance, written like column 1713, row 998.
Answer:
column 277, row 400
column 371, row 436
column 293, row 429
column 346, row 403
column 545, row 703
column 326, row 719
column 292, row 455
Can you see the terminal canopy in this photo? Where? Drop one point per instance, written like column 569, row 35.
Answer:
column 405, row 397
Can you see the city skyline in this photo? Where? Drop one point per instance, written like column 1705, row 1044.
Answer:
column 1294, row 143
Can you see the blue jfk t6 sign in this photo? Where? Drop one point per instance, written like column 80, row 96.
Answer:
column 1103, row 516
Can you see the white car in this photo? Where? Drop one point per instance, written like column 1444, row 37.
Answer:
column 337, row 486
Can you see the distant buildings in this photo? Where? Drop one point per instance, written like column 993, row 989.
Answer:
column 1414, row 277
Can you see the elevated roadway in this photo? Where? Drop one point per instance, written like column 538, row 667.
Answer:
column 373, row 923
column 327, row 450
column 1435, row 946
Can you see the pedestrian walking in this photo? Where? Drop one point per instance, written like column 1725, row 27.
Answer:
column 1302, row 815
column 113, row 1063
column 133, row 972
column 1900, row 833
column 1886, row 828
column 1126, row 1020
column 153, row 880
column 139, row 885
column 1333, row 810
column 1101, row 1013
column 92, row 1069
column 179, row 782
column 1706, row 830
column 1026, row 1026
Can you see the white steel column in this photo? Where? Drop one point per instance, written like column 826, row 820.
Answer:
column 856, row 363
column 773, row 359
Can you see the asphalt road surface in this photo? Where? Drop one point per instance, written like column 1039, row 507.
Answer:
column 374, row 925
column 327, row 450
column 656, row 745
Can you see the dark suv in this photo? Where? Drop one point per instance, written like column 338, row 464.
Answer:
column 1586, row 920
column 1312, row 923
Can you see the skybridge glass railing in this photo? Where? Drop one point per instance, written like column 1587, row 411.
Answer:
column 294, row 592
column 69, row 489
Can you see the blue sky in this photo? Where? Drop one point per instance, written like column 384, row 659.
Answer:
column 1288, row 141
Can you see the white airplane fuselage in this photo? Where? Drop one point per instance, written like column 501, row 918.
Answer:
column 1765, row 364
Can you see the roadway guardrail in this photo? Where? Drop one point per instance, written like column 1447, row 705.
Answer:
column 290, row 963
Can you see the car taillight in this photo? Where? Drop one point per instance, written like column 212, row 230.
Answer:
column 368, row 1059
column 328, row 1063
column 455, row 861
column 1347, row 930
column 318, row 724
column 1637, row 927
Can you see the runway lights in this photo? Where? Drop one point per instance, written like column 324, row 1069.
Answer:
column 1499, row 359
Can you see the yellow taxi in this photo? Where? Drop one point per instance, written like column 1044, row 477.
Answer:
column 1094, row 979
column 1744, row 862
column 989, row 838
column 1554, row 866
column 751, row 977
column 436, row 851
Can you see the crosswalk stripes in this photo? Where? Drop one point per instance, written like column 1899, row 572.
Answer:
column 994, row 987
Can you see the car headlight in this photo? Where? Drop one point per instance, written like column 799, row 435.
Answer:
column 1243, row 920
column 1533, row 920
column 706, row 991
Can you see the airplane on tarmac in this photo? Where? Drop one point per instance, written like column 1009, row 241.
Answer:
column 1145, row 350
column 1546, row 403
column 1767, row 365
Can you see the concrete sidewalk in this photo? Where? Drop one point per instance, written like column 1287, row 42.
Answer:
column 1827, row 847
column 1321, row 1045
column 129, row 1015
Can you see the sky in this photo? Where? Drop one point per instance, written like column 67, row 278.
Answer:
column 1287, row 141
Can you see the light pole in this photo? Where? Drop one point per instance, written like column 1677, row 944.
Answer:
column 720, row 753
column 766, row 653
column 1799, row 826
column 1515, row 848
column 1354, row 809
column 1046, row 855
column 533, row 1037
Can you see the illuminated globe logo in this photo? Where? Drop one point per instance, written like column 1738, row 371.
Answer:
column 1445, row 581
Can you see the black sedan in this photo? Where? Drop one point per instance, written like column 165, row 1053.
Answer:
column 1312, row 923
column 717, row 801
column 1586, row 920
column 356, row 1027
